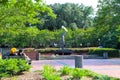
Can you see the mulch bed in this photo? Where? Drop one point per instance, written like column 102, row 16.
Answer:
column 26, row 76
column 36, row 76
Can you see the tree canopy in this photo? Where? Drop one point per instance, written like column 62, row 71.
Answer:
column 34, row 24
column 22, row 12
column 108, row 20
column 108, row 13
column 69, row 14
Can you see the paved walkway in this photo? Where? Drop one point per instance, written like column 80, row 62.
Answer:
column 109, row 67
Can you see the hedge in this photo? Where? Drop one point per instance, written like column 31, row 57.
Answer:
column 89, row 51
column 99, row 51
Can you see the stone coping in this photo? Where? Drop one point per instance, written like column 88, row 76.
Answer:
column 69, row 57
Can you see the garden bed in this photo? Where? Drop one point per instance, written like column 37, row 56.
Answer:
column 65, row 73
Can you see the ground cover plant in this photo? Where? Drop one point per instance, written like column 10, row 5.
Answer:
column 11, row 67
column 65, row 73
column 49, row 73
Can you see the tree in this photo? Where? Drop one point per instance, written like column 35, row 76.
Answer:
column 108, row 20
column 69, row 13
column 87, row 19
column 16, row 15
column 108, row 13
column 20, row 12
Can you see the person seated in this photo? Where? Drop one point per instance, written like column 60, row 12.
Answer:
column 13, row 52
column 21, row 53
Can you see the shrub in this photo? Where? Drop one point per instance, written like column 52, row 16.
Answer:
column 49, row 73
column 2, row 69
column 104, row 77
column 65, row 70
column 78, row 73
column 23, row 66
column 47, row 50
column 99, row 51
column 28, row 49
column 12, row 67
column 90, row 73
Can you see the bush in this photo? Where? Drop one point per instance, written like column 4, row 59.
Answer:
column 99, row 51
column 23, row 66
column 65, row 70
column 89, row 50
column 12, row 67
column 47, row 50
column 49, row 73
column 78, row 73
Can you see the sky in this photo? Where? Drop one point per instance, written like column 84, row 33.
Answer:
column 92, row 3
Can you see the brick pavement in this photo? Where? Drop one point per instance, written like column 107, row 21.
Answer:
column 109, row 67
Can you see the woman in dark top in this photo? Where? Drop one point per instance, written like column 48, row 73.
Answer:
column 20, row 52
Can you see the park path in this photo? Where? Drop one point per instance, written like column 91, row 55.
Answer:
column 110, row 67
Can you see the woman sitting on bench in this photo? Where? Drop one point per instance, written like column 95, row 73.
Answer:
column 21, row 53
column 13, row 52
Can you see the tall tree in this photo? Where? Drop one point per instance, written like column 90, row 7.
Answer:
column 108, row 18
column 69, row 13
column 15, row 15
column 108, row 13
column 19, row 12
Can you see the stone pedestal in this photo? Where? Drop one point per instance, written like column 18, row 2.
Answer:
column 37, row 56
column 78, row 61
column 105, row 55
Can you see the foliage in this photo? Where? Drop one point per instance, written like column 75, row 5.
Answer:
column 12, row 67
column 74, row 74
column 107, row 20
column 70, row 15
column 15, row 15
column 99, row 51
column 91, row 74
column 105, row 78
column 78, row 73
column 20, row 19
column 32, row 37
column 76, row 50
column 112, row 52
column 108, row 13
column 23, row 66
column 19, row 13
column 65, row 70
column 49, row 73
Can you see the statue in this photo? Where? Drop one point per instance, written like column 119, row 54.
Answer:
column 63, row 51
column 62, row 40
